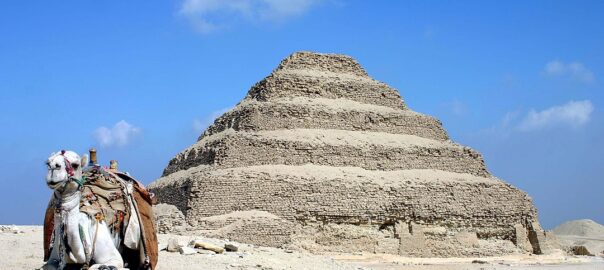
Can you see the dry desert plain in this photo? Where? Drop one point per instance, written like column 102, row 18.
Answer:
column 23, row 250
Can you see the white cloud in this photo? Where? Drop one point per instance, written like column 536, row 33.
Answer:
column 573, row 113
column 120, row 134
column 574, row 70
column 458, row 108
column 199, row 125
column 210, row 15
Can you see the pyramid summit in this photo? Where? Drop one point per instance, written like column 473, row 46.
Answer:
column 320, row 156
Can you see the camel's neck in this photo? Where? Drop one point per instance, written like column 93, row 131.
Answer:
column 71, row 218
column 69, row 201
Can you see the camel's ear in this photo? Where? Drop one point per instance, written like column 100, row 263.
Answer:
column 84, row 161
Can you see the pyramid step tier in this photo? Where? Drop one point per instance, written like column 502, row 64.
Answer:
column 340, row 148
column 320, row 62
column 308, row 113
column 314, row 84
column 348, row 195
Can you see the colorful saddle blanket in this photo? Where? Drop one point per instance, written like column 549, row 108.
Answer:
column 104, row 196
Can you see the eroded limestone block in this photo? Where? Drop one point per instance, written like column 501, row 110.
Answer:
column 522, row 239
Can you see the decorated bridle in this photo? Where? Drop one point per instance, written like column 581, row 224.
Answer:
column 68, row 166
column 70, row 170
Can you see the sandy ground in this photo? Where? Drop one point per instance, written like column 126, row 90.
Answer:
column 24, row 251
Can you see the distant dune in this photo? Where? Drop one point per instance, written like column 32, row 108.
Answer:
column 584, row 232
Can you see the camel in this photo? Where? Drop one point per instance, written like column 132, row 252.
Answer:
column 79, row 238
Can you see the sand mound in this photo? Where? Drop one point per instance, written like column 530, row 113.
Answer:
column 582, row 227
column 584, row 232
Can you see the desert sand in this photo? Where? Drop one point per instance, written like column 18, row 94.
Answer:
column 23, row 250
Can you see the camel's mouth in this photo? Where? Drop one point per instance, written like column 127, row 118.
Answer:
column 53, row 184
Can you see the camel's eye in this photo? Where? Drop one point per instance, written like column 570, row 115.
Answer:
column 75, row 166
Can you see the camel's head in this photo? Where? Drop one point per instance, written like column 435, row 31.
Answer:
column 63, row 168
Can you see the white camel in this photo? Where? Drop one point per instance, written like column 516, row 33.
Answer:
column 85, row 239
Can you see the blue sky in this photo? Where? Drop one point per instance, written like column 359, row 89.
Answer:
column 520, row 81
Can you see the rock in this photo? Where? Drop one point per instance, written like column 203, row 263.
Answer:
column 173, row 245
column 205, row 251
column 187, row 251
column 581, row 251
column 208, row 246
column 230, row 247
column 479, row 262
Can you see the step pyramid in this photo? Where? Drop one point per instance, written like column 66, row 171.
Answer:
column 320, row 156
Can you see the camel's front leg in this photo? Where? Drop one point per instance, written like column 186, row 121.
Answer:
column 105, row 252
column 55, row 256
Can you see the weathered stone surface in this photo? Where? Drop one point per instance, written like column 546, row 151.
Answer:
column 318, row 113
column 338, row 148
column 319, row 156
column 168, row 218
column 282, row 84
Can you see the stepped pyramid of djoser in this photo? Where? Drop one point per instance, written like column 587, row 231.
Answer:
column 320, row 156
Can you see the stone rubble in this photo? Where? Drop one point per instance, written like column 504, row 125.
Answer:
column 11, row 229
column 321, row 157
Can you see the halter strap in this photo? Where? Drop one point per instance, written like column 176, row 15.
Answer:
column 68, row 166
column 80, row 181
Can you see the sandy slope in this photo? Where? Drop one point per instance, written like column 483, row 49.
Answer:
column 24, row 251
column 584, row 232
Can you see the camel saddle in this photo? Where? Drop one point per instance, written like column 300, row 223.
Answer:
column 105, row 196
